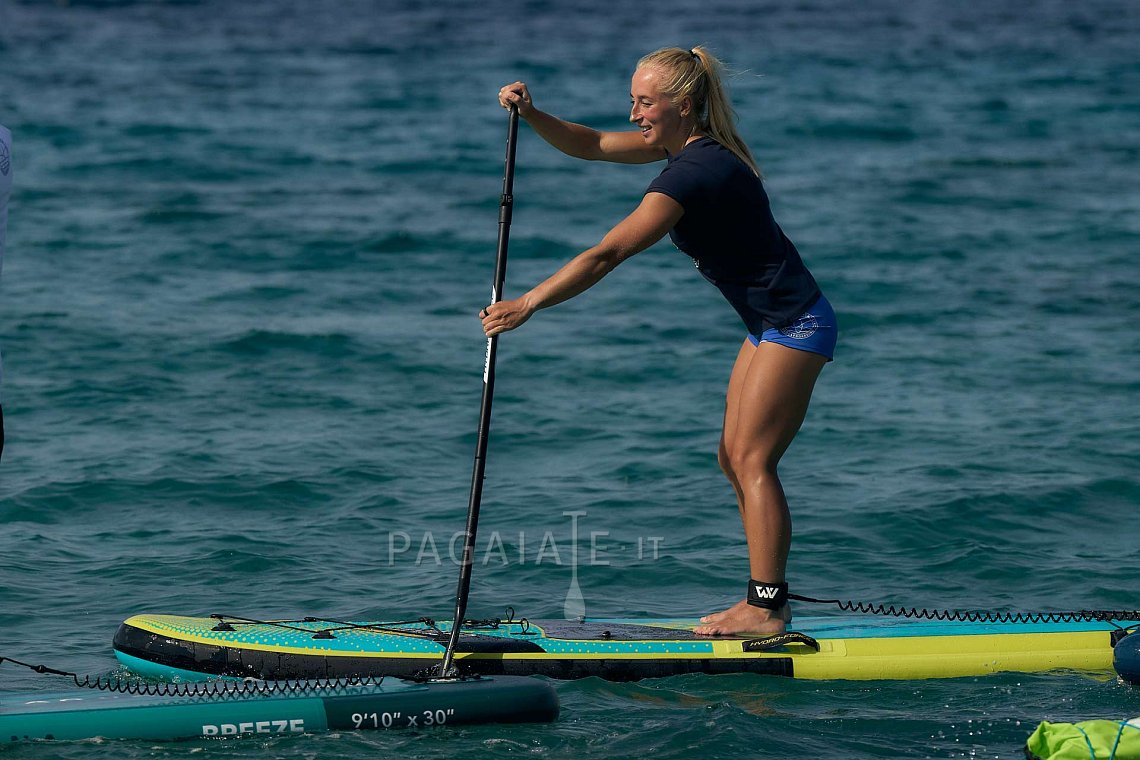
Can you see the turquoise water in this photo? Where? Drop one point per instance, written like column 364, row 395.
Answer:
column 246, row 250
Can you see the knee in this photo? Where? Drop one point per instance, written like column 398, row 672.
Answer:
column 751, row 465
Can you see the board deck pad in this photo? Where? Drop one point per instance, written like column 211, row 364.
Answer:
column 856, row 647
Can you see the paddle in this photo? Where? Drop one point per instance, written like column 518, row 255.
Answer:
column 506, row 203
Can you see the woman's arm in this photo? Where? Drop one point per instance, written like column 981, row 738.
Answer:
column 649, row 222
column 577, row 140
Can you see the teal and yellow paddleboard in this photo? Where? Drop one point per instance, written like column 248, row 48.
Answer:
column 839, row 647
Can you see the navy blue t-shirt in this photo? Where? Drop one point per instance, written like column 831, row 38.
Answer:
column 729, row 231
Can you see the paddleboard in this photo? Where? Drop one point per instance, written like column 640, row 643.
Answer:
column 832, row 647
column 274, row 709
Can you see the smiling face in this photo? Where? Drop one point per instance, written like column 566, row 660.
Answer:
column 662, row 122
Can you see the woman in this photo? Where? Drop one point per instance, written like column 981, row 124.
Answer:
column 711, row 201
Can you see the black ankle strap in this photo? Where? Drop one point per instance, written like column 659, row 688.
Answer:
column 770, row 596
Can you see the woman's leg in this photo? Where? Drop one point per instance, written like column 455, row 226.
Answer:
column 728, row 431
column 768, row 397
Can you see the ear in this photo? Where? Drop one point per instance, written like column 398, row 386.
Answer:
column 685, row 107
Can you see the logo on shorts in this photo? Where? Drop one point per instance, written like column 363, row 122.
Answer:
column 802, row 328
column 5, row 160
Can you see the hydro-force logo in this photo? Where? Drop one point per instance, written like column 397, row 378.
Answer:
column 766, row 592
column 295, row 726
column 802, row 328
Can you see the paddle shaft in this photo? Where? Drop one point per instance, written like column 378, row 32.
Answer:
column 506, row 204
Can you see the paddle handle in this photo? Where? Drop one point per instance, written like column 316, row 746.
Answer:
column 506, row 206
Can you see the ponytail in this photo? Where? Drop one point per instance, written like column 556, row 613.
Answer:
column 696, row 74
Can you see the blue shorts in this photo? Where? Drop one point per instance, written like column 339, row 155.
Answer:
column 816, row 330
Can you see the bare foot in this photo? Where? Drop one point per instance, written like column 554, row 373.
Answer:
column 744, row 618
column 716, row 616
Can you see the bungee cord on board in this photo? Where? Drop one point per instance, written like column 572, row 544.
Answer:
column 423, row 627
column 248, row 687
column 975, row 616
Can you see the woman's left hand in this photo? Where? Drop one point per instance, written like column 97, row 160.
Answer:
column 505, row 315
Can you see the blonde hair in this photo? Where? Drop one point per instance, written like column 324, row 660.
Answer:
column 696, row 73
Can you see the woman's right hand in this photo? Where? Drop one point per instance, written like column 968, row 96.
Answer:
column 505, row 315
column 518, row 95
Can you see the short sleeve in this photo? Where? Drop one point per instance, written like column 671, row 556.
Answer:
column 681, row 181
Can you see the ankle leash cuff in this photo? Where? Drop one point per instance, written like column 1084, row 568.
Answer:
column 770, row 596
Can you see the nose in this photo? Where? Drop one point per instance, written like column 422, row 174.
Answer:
column 633, row 114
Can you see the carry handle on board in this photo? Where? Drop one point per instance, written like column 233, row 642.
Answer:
column 506, row 204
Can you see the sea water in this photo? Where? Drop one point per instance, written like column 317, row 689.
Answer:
column 247, row 248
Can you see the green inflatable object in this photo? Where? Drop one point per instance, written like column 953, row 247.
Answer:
column 1088, row 740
